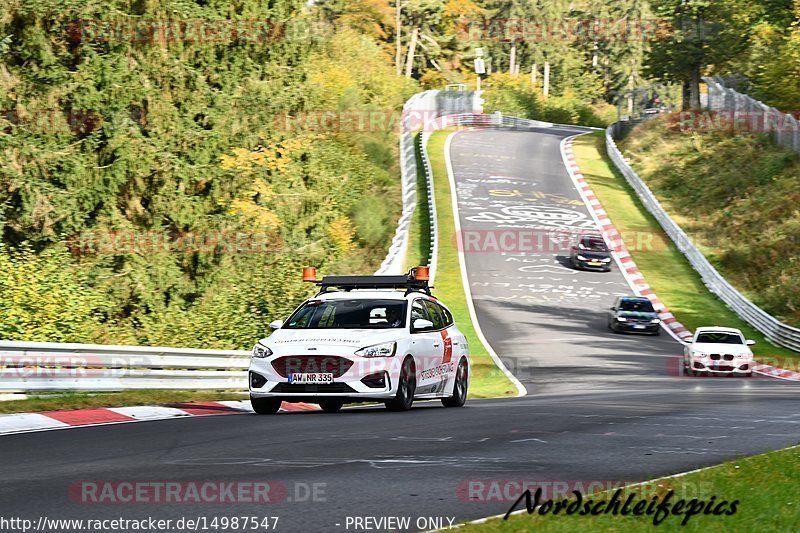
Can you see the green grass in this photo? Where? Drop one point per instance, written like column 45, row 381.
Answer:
column 665, row 268
column 487, row 379
column 419, row 245
column 56, row 402
column 765, row 485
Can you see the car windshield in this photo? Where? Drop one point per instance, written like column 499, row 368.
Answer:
column 349, row 314
column 642, row 306
column 595, row 244
column 719, row 337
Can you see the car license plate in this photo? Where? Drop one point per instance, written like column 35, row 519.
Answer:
column 638, row 327
column 595, row 263
column 311, row 378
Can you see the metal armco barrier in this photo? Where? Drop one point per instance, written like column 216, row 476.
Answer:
column 772, row 328
column 753, row 114
column 417, row 112
column 49, row 366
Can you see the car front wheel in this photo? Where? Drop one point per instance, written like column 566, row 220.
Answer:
column 406, row 386
column 331, row 405
column 265, row 406
column 459, row 397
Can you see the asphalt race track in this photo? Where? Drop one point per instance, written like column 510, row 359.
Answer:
column 601, row 406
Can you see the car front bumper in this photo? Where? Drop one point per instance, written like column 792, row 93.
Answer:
column 587, row 265
column 637, row 327
column 722, row 367
column 353, row 377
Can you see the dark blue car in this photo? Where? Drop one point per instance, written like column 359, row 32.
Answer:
column 634, row 314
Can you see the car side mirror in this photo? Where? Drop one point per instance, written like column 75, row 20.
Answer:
column 276, row 324
column 749, row 342
column 421, row 324
column 613, row 308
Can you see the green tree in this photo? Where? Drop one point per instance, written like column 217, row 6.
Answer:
column 703, row 36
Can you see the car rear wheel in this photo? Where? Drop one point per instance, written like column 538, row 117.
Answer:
column 331, row 405
column 406, row 386
column 459, row 397
column 265, row 406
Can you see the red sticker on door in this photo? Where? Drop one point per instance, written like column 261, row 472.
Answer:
column 448, row 346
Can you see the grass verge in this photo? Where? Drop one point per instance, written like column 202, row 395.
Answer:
column 82, row 400
column 487, row 379
column 665, row 268
column 762, row 505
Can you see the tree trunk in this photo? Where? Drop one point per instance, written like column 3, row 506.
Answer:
column 398, row 55
column 685, row 99
column 512, row 67
column 412, row 46
column 694, row 88
column 546, row 87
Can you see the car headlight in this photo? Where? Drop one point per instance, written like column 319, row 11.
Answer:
column 621, row 319
column 701, row 355
column 260, row 351
column 655, row 321
column 386, row 349
column 606, row 260
column 580, row 257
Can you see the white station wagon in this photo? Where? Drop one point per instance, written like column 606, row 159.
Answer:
column 717, row 350
column 362, row 338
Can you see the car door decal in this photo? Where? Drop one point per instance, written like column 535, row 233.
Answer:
column 448, row 346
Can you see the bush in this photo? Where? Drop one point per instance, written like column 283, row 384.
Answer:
column 374, row 223
column 514, row 95
column 511, row 95
column 45, row 298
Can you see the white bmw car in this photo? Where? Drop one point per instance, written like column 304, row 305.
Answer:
column 717, row 350
column 362, row 338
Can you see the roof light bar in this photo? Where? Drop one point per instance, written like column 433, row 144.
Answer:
column 417, row 279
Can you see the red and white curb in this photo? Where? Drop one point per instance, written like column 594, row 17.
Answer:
column 50, row 420
column 629, row 269
column 776, row 372
column 624, row 260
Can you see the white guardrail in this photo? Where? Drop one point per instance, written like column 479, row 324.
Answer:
column 49, row 366
column 772, row 328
